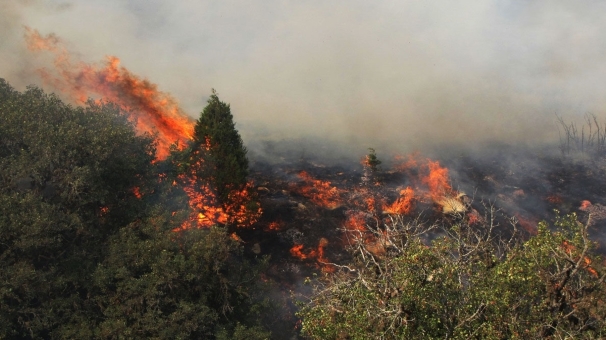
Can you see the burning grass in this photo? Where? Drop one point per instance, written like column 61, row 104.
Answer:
column 321, row 193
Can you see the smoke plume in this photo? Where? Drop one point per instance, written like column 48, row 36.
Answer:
column 394, row 75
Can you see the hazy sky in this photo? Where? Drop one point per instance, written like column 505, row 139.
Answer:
column 396, row 75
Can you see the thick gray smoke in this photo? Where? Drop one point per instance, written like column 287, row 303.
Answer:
column 394, row 75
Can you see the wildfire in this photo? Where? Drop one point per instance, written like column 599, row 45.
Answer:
column 137, row 192
column 321, row 193
column 403, row 205
column 103, row 211
column 529, row 225
column 569, row 249
column 438, row 182
column 555, row 199
column 356, row 222
column 407, row 163
column 432, row 182
column 585, row 204
column 207, row 211
column 318, row 254
column 275, row 225
column 150, row 110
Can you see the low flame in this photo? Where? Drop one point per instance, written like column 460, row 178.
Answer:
column 406, row 163
column 321, row 193
column 207, row 211
column 585, row 204
column 356, row 222
column 103, row 211
column 317, row 254
column 529, row 225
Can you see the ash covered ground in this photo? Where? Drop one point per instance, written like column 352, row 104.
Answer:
column 308, row 203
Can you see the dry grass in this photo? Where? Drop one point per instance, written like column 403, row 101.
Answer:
column 589, row 139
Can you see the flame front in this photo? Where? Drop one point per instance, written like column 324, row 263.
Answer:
column 151, row 110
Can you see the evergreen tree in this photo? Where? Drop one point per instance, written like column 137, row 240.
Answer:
column 219, row 144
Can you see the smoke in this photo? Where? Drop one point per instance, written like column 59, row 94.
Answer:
column 394, row 75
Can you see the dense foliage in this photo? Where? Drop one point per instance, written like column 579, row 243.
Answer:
column 86, row 242
column 214, row 166
column 221, row 147
column 463, row 281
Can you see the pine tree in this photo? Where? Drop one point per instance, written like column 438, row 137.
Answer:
column 218, row 142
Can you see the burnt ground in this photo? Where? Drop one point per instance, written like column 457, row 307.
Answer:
column 526, row 185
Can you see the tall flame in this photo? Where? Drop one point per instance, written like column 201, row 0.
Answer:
column 437, row 180
column 151, row 110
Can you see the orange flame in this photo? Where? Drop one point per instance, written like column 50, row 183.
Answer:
column 554, row 199
column 235, row 237
column 275, row 225
column 473, row 217
column 103, row 211
column 151, row 110
column 356, row 222
column 296, row 251
column 321, row 193
column 318, row 254
column 585, row 204
column 569, row 249
column 208, row 211
column 437, row 181
column 137, row 192
column 403, row 205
